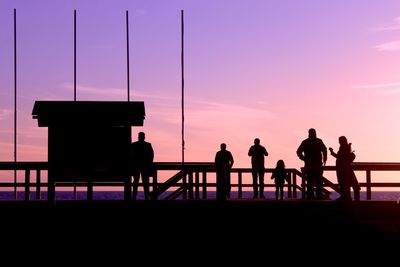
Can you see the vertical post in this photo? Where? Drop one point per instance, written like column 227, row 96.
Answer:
column 197, row 184
column 127, row 55
column 368, row 180
column 75, row 193
column 27, row 183
column 294, row 185
column 204, row 189
column 75, row 55
column 15, row 102
column 183, row 105
column 290, row 185
column 240, row 185
column 38, row 181
column 155, row 184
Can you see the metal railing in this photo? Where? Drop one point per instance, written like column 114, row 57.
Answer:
column 193, row 180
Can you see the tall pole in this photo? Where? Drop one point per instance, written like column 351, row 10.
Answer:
column 75, row 192
column 127, row 55
column 15, row 101
column 74, row 54
column 183, row 106
column 182, row 91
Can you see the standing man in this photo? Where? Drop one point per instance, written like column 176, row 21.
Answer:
column 223, row 165
column 142, row 156
column 314, row 154
column 257, row 153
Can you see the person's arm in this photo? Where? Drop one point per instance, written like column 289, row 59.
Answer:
column 151, row 151
column 231, row 160
column 332, row 152
column 299, row 151
column 324, row 153
column 250, row 151
column 265, row 152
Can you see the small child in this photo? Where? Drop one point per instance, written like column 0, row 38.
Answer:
column 280, row 175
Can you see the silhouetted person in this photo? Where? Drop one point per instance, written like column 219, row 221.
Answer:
column 223, row 165
column 142, row 156
column 280, row 175
column 344, row 171
column 257, row 153
column 314, row 154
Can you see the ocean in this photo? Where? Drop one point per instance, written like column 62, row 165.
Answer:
column 119, row 195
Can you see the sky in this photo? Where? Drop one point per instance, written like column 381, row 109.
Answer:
column 268, row 69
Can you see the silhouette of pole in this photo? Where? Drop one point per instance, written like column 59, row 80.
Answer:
column 15, row 101
column 74, row 54
column 183, row 104
column 127, row 55
column 75, row 193
column 183, row 89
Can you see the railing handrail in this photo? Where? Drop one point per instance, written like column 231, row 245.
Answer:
column 194, row 172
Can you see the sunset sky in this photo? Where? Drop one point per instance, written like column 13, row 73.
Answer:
column 270, row 69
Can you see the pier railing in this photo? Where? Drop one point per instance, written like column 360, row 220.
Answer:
column 192, row 180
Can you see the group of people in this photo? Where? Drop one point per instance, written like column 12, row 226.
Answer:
column 311, row 150
column 314, row 154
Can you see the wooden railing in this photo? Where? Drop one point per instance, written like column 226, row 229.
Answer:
column 193, row 180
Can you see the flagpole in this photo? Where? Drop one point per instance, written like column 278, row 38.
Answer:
column 183, row 104
column 75, row 192
column 127, row 55
column 15, row 102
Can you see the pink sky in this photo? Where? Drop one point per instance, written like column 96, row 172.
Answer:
column 268, row 69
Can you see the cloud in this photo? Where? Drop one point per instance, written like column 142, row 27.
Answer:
column 393, row 26
column 5, row 113
column 112, row 93
column 389, row 46
column 384, row 88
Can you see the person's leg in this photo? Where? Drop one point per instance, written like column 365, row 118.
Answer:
column 276, row 192
column 146, row 185
column 228, row 184
column 220, row 185
column 310, row 185
column 281, row 188
column 318, row 181
column 261, row 175
column 135, row 185
column 255, row 187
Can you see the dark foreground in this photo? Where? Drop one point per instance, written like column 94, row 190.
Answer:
column 201, row 227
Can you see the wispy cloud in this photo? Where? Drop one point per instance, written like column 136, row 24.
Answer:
column 381, row 88
column 111, row 93
column 393, row 26
column 5, row 113
column 389, row 46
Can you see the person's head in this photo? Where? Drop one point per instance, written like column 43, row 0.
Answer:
column 141, row 136
column 312, row 133
column 343, row 141
column 223, row 146
column 280, row 164
column 257, row 141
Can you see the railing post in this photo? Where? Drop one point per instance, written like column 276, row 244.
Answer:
column 190, row 185
column 368, row 180
column 290, row 185
column 204, row 193
column 27, row 181
column 38, row 181
column 303, row 185
column 294, row 185
column 240, row 185
column 155, row 184
column 197, row 184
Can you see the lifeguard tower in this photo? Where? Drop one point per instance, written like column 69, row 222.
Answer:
column 88, row 141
